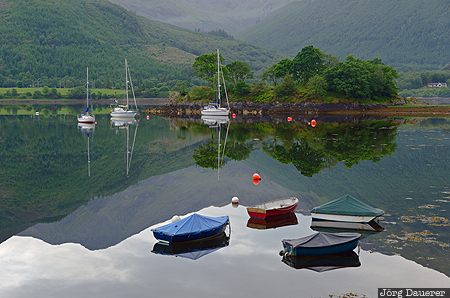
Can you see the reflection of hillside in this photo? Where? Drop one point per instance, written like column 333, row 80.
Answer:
column 44, row 165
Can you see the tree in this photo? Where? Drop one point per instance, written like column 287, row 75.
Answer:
column 286, row 88
column 356, row 78
column 239, row 71
column 241, row 89
column 205, row 67
column 278, row 70
column 308, row 62
column 317, row 86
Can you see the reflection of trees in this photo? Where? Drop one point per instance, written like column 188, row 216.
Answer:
column 309, row 150
column 205, row 155
column 238, row 150
column 307, row 160
column 313, row 150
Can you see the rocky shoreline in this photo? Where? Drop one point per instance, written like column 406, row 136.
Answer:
column 268, row 109
column 310, row 109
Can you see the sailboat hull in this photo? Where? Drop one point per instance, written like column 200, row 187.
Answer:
column 86, row 119
column 123, row 114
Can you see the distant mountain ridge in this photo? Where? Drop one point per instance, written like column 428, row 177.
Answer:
column 406, row 33
column 232, row 15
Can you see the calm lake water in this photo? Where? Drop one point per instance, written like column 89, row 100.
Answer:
column 77, row 204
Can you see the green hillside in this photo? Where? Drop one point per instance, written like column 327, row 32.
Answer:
column 50, row 42
column 406, row 33
column 206, row 15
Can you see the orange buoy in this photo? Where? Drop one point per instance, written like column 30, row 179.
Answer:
column 233, row 116
column 313, row 123
column 256, row 182
column 256, row 179
column 289, row 119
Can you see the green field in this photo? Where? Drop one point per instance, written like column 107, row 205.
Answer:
column 30, row 93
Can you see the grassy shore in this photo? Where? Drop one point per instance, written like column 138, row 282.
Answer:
column 55, row 93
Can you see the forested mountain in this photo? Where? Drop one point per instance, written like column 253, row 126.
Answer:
column 406, row 33
column 232, row 15
column 51, row 42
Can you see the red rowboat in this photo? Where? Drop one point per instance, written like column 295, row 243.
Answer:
column 273, row 208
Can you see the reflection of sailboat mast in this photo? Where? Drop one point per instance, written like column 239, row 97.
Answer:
column 89, row 156
column 130, row 153
column 219, row 158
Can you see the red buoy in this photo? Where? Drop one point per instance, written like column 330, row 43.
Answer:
column 313, row 123
column 256, row 182
column 289, row 119
column 233, row 116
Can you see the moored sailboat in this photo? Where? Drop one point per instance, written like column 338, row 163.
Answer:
column 215, row 109
column 124, row 111
column 86, row 116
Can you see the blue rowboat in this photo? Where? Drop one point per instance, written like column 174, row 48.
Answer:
column 321, row 243
column 192, row 228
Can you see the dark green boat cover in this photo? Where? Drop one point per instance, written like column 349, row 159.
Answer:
column 348, row 205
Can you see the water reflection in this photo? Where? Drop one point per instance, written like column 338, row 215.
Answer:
column 272, row 222
column 399, row 166
column 323, row 263
column 125, row 124
column 87, row 129
column 248, row 266
column 193, row 250
column 309, row 150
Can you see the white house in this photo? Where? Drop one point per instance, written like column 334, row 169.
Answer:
column 437, row 85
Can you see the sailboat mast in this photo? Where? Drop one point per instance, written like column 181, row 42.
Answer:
column 218, row 77
column 87, row 87
column 126, row 80
column 132, row 88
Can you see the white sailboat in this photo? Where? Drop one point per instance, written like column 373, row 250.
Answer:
column 123, row 111
column 215, row 109
column 86, row 116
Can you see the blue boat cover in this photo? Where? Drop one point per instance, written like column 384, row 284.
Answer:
column 348, row 205
column 322, row 239
column 193, row 227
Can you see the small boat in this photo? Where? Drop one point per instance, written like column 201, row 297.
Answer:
column 323, row 263
column 321, row 243
column 194, row 249
column 192, row 228
column 347, row 209
column 123, row 111
column 273, row 222
column 215, row 109
column 326, row 225
column 86, row 116
column 273, row 208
